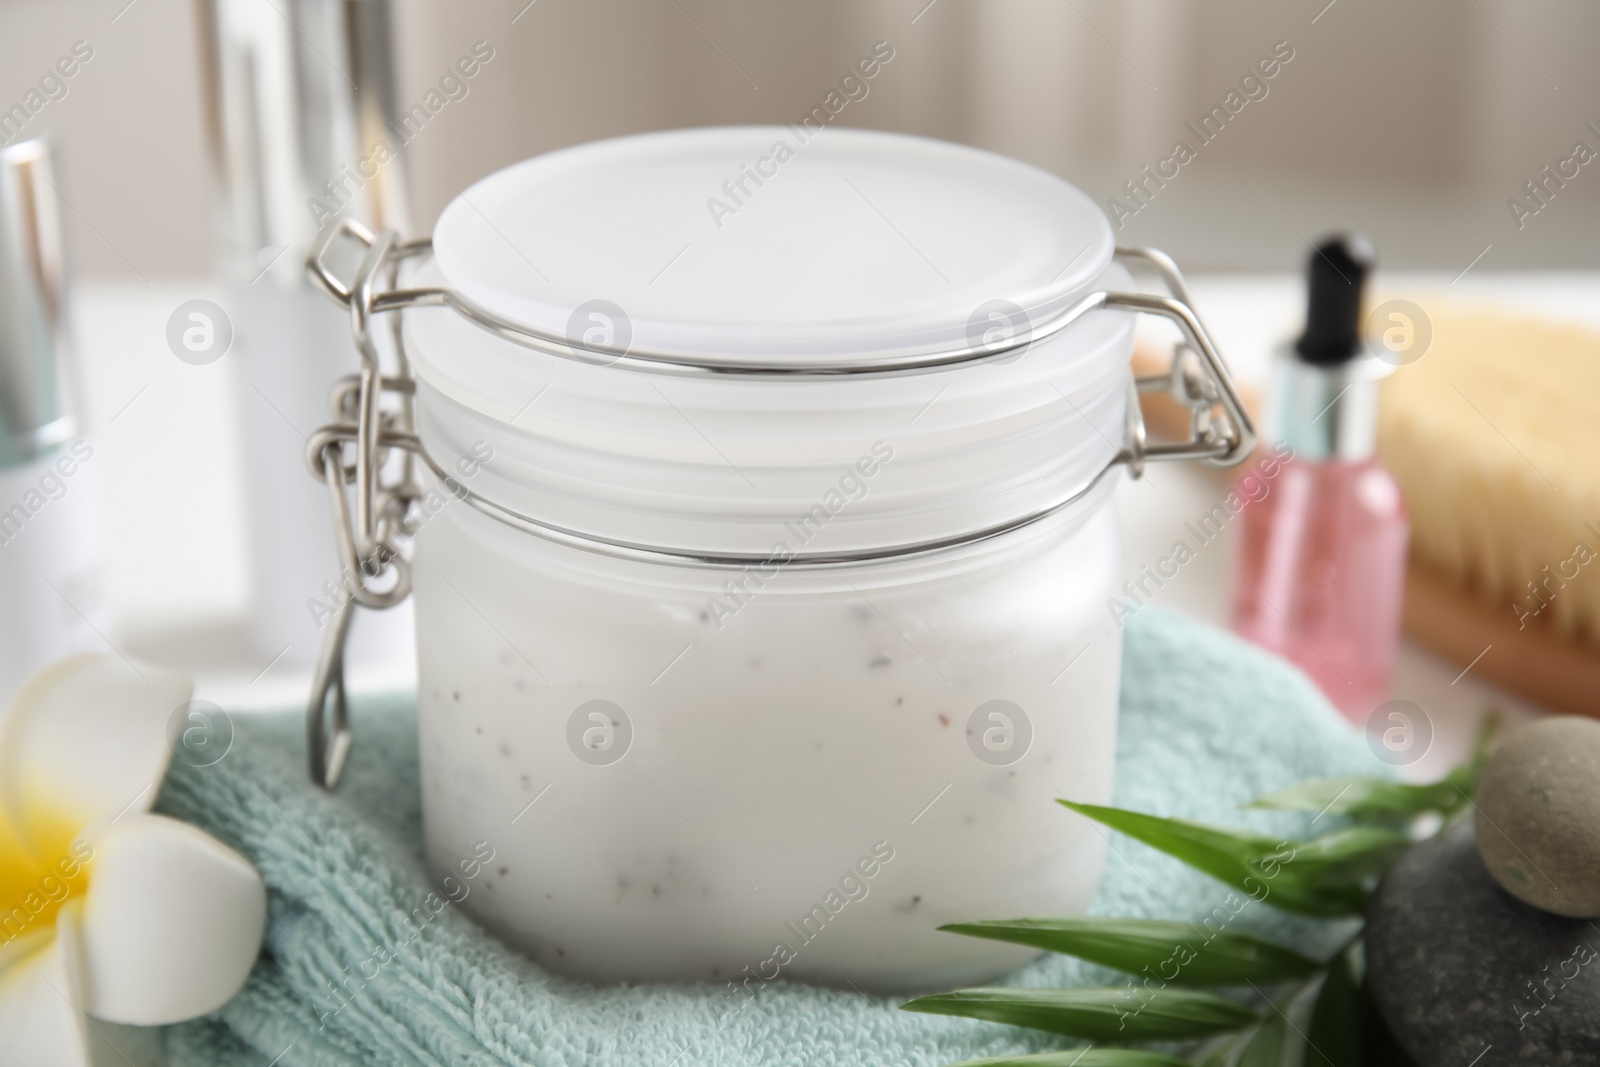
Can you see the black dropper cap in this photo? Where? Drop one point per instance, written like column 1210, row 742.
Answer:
column 1336, row 277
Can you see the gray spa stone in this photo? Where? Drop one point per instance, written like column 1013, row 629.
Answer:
column 1539, row 815
column 1457, row 965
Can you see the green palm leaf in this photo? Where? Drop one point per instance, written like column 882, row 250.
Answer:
column 1334, row 1036
column 1362, row 798
column 1348, row 857
column 1088, row 1056
column 1266, row 1048
column 1177, row 953
column 1378, row 799
column 1260, row 866
column 1106, row 1014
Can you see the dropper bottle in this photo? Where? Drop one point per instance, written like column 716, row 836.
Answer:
column 1321, row 569
column 50, row 596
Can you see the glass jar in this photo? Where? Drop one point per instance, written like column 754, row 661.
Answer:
column 761, row 583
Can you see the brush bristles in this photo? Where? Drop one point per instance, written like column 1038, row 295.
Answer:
column 1494, row 437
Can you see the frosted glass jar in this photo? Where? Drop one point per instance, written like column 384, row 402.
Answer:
column 829, row 722
column 766, row 672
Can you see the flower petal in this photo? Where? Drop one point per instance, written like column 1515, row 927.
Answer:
column 82, row 741
column 171, row 924
column 38, row 1024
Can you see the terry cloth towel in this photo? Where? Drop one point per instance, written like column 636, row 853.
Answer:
column 1207, row 723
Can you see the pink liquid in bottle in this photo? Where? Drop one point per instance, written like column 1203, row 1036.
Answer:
column 1321, row 575
column 1321, row 568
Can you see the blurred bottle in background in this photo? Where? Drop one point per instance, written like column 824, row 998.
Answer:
column 51, row 602
column 1321, row 570
column 301, row 111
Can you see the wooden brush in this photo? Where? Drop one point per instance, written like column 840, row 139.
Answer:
column 1494, row 437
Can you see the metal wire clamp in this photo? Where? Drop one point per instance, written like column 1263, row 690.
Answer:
column 371, row 537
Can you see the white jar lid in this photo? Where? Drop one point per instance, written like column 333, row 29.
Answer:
column 769, row 241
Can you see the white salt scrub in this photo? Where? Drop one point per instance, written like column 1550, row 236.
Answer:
column 693, row 768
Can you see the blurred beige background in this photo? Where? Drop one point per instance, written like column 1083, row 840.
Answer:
column 1414, row 122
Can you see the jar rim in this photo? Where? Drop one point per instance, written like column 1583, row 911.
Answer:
column 859, row 243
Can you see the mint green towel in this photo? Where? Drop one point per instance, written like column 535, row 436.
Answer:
column 1207, row 723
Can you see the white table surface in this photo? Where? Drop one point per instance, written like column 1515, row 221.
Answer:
column 172, row 510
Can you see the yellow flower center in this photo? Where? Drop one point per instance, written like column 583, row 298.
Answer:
column 39, row 873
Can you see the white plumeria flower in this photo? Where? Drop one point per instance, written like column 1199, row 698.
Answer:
column 106, row 911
